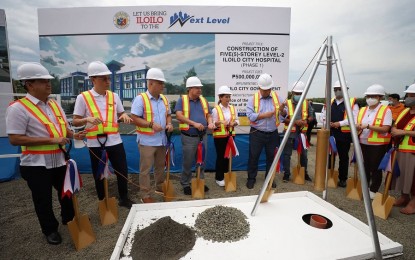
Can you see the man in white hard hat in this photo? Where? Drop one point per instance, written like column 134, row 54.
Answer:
column 151, row 114
column 340, row 130
column 300, row 126
column 262, row 111
column 374, row 122
column 100, row 109
column 38, row 124
column 194, row 115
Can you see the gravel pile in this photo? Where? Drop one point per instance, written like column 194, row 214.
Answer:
column 164, row 239
column 222, row 224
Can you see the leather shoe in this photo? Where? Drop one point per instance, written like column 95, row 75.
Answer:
column 342, row 184
column 286, row 178
column 54, row 238
column 187, row 190
column 206, row 188
column 250, row 184
column 274, row 185
column 126, row 203
column 307, row 177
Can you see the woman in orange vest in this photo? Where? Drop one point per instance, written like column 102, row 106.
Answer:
column 225, row 118
column 374, row 122
column 403, row 133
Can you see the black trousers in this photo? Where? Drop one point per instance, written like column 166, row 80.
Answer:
column 343, row 152
column 372, row 155
column 222, row 164
column 40, row 181
column 118, row 159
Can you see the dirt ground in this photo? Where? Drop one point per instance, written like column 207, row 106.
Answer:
column 21, row 238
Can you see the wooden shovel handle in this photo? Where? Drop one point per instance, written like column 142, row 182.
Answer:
column 106, row 191
column 168, row 165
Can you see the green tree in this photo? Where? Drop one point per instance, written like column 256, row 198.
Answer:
column 55, row 82
column 189, row 73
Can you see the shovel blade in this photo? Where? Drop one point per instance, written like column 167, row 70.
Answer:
column 198, row 188
column 81, row 232
column 267, row 194
column 108, row 211
column 168, row 191
column 382, row 210
column 333, row 179
column 230, row 181
column 354, row 189
column 299, row 175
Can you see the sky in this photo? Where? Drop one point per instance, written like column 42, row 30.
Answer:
column 376, row 39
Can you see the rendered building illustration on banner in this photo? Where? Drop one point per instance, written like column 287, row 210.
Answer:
column 221, row 45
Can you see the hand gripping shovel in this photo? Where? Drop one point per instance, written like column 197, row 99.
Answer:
column 298, row 171
column 333, row 178
column 80, row 227
column 383, row 203
column 230, row 177
column 198, row 185
column 168, row 188
column 108, row 210
column 354, row 186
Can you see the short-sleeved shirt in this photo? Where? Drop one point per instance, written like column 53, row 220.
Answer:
column 266, row 104
column 368, row 119
column 196, row 113
column 226, row 114
column 159, row 117
column 21, row 122
column 81, row 109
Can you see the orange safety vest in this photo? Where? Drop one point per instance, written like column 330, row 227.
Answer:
column 110, row 126
column 54, row 132
column 186, row 110
column 374, row 137
column 276, row 105
column 223, row 131
column 407, row 145
column 346, row 128
column 304, row 115
column 148, row 113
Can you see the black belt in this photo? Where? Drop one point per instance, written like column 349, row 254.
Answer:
column 266, row 133
column 189, row 135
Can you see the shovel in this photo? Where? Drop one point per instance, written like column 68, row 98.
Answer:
column 108, row 210
column 333, row 177
column 80, row 227
column 354, row 187
column 168, row 188
column 298, row 172
column 198, row 186
column 269, row 191
column 230, row 177
column 383, row 203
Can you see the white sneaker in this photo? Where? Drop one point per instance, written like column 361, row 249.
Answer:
column 220, row 183
column 372, row 195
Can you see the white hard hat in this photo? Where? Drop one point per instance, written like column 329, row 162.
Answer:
column 375, row 89
column 298, row 87
column 224, row 90
column 338, row 85
column 32, row 70
column 265, row 81
column 98, row 68
column 193, row 82
column 155, row 74
column 410, row 89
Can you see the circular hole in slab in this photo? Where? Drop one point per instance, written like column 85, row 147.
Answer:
column 317, row 221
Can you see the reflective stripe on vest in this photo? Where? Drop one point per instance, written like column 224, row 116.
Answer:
column 222, row 131
column 186, row 110
column 346, row 128
column 148, row 113
column 407, row 145
column 304, row 115
column 50, row 127
column 110, row 126
column 374, row 137
column 276, row 103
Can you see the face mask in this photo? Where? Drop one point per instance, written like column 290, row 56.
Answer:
column 410, row 101
column 338, row 94
column 296, row 98
column 371, row 101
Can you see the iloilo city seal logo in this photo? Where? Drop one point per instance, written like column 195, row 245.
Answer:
column 121, row 20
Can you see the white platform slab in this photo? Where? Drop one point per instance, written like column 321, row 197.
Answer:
column 277, row 230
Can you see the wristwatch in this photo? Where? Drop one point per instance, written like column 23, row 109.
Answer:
column 367, row 127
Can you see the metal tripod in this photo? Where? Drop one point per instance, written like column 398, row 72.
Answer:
column 331, row 50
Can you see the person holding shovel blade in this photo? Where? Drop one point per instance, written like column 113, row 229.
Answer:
column 151, row 114
column 194, row 115
column 225, row 119
column 100, row 109
column 38, row 124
